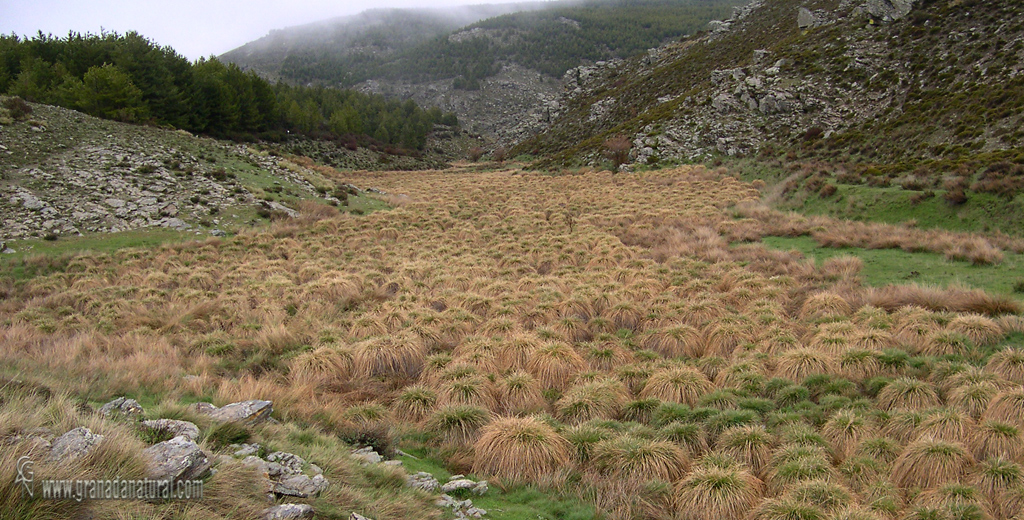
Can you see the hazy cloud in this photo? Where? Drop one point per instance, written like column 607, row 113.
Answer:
column 195, row 28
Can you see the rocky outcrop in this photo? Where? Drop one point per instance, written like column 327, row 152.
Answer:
column 73, row 445
column 284, row 475
column 510, row 106
column 246, row 412
column 177, row 459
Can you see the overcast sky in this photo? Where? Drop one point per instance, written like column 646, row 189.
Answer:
column 195, row 28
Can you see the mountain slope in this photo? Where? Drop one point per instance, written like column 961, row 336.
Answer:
column 858, row 84
column 500, row 75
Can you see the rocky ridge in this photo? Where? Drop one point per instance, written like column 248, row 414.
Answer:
column 786, row 72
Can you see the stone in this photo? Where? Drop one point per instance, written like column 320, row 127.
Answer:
column 367, row 456
column 178, row 459
column 244, row 450
column 393, row 463
column 246, row 412
column 287, row 512
column 300, row 486
column 218, row 233
column 73, row 445
column 889, row 10
column 807, row 19
column 204, row 408
column 357, row 516
column 122, row 406
column 183, row 428
column 423, row 480
column 458, row 485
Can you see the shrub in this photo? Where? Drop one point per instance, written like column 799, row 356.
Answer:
column 828, row 190
column 955, row 197
column 475, row 153
column 617, row 150
column 376, row 435
column 18, row 109
column 520, row 450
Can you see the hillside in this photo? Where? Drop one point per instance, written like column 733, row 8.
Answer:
column 889, row 85
column 489, row 72
column 64, row 173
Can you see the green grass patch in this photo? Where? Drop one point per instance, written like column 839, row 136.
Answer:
column 983, row 212
column 895, row 266
column 519, row 503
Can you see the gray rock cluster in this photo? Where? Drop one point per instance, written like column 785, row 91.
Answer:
column 462, row 509
column 422, row 480
column 284, row 474
column 460, row 483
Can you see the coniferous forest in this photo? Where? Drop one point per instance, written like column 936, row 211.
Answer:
column 129, row 78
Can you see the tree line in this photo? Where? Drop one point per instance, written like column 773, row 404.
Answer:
column 129, row 78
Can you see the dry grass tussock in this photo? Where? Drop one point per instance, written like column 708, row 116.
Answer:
column 493, row 314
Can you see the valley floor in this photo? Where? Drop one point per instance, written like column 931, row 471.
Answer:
column 623, row 343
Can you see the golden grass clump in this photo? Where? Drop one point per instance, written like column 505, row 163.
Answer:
column 751, row 445
column 673, row 342
column 845, row 430
column 519, row 393
column 798, row 364
column 995, row 476
column 908, row 394
column 1008, row 364
column 602, row 398
column 678, row 384
column 716, row 493
column 1006, row 406
column 639, row 459
column 997, row 439
column 326, row 366
column 415, row 403
column 972, row 399
column 929, row 462
column 948, row 425
column 824, row 305
column 981, row 330
column 555, row 365
column 459, row 424
column 389, row 356
column 520, row 450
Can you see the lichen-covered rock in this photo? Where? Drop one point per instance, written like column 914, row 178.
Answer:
column 173, row 427
column 245, row 412
column 300, row 486
column 73, row 445
column 367, row 456
column 177, row 459
column 288, row 512
column 122, row 406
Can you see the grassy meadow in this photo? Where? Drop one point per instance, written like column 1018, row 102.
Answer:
column 652, row 345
